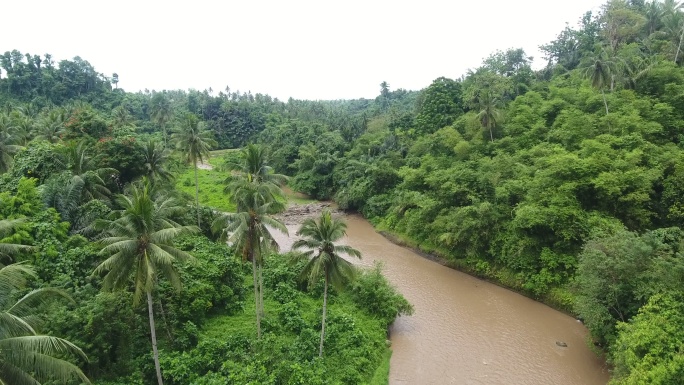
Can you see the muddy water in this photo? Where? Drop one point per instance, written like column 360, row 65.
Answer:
column 467, row 331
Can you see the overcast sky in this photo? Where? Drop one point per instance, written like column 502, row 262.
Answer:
column 325, row 49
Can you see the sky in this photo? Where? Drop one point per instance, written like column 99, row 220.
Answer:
column 324, row 49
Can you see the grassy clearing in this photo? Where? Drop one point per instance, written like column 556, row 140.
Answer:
column 297, row 197
column 211, row 185
column 210, row 188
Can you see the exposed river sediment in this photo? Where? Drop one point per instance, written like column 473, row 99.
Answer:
column 465, row 330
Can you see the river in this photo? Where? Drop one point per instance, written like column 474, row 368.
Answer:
column 468, row 331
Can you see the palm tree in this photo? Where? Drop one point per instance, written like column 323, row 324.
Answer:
column 253, row 164
column 490, row 114
column 122, row 118
column 27, row 358
column 653, row 13
column 139, row 245
column 8, row 143
column 323, row 257
column 253, row 168
column 673, row 26
column 248, row 230
column 599, row 70
column 194, row 141
column 23, row 129
column 160, row 112
column 156, row 155
column 86, row 168
column 51, row 127
column 7, row 250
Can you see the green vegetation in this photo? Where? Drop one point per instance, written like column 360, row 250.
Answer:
column 210, row 184
column 563, row 183
column 323, row 258
column 97, row 207
column 25, row 356
column 256, row 192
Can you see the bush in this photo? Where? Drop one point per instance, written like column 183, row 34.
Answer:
column 373, row 293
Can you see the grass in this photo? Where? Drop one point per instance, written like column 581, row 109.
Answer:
column 381, row 376
column 297, row 197
column 210, row 188
column 211, row 185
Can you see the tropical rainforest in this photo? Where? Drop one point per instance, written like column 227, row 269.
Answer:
column 564, row 183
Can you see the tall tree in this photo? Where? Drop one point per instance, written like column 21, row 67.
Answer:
column 489, row 112
column 161, row 112
column 138, row 243
column 115, row 80
column 248, row 229
column 599, row 70
column 324, row 257
column 384, row 95
column 252, row 167
column 194, row 142
column 26, row 357
column 486, row 90
column 9, row 143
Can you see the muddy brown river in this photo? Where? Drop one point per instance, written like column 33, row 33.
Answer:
column 468, row 331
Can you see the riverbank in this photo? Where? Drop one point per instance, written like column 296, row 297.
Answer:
column 464, row 329
column 560, row 299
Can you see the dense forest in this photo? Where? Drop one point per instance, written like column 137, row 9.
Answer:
column 563, row 183
column 111, row 273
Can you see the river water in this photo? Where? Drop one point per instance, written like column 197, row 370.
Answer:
column 468, row 331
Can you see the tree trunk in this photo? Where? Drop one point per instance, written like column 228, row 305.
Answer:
column 261, row 291
column 604, row 100
column 197, row 195
column 679, row 46
column 325, row 310
column 166, row 137
column 166, row 323
column 491, row 135
column 256, row 296
column 154, row 338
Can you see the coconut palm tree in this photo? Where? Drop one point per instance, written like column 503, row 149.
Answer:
column 252, row 167
column 51, row 127
column 161, row 112
column 24, row 127
column 324, row 257
column 654, row 13
column 156, row 155
column 27, row 358
column 248, row 230
column 9, row 143
column 122, row 118
column 8, row 250
column 194, row 142
column 86, row 168
column 599, row 70
column 490, row 113
column 138, row 243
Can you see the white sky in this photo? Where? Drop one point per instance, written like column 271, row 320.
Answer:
column 324, row 49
